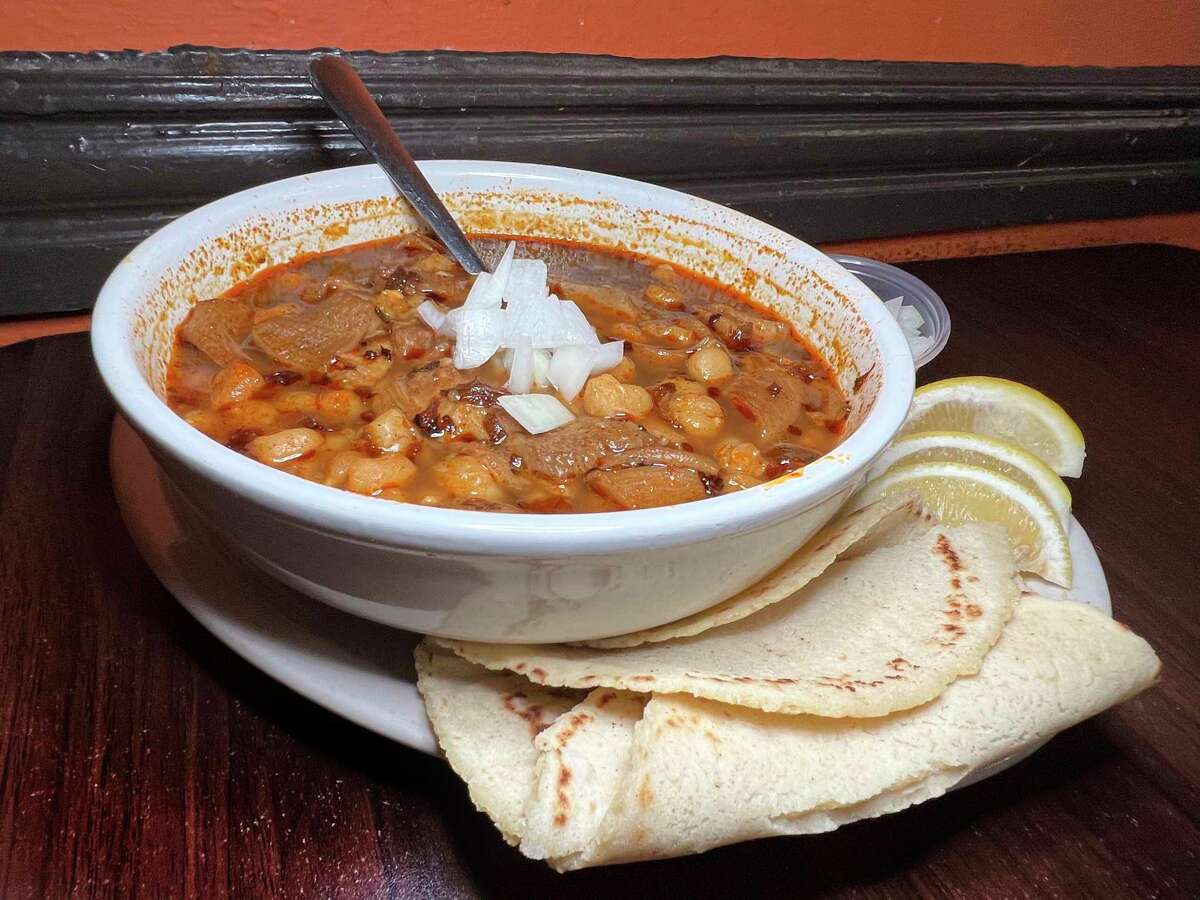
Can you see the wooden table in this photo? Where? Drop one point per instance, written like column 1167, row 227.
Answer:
column 140, row 758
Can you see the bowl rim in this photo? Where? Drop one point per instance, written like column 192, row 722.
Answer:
column 442, row 530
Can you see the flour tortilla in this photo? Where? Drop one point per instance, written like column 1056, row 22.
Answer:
column 694, row 774
column 890, row 520
column 877, row 633
column 480, row 717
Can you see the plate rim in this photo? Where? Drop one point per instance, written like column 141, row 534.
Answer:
column 285, row 655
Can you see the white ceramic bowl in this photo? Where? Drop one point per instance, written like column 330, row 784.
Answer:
column 496, row 576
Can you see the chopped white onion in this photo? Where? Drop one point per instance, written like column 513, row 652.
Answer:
column 569, row 370
column 520, row 372
column 537, row 318
column 504, row 268
column 477, row 334
column 431, row 314
column 607, row 356
column 483, row 294
column 545, row 341
column 577, row 329
column 536, row 412
column 541, row 368
column 527, row 278
column 911, row 321
column 488, row 289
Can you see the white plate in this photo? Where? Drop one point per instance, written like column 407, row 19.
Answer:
column 358, row 669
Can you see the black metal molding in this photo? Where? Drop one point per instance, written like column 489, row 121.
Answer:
column 97, row 150
column 186, row 79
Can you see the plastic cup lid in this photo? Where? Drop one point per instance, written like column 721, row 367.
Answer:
column 888, row 282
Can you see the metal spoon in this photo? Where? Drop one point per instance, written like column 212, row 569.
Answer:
column 336, row 81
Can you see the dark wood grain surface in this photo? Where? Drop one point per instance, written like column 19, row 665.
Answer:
column 140, row 758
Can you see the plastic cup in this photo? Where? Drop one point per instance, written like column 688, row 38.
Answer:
column 888, row 282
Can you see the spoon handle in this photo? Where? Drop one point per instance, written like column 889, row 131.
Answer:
column 336, row 81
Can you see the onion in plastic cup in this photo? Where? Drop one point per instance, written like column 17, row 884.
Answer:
column 927, row 336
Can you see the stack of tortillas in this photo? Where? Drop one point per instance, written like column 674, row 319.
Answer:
column 882, row 664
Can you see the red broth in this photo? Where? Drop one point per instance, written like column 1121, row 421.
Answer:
column 321, row 367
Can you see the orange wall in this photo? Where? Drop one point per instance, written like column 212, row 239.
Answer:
column 1034, row 32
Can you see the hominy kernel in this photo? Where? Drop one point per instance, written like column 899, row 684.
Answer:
column 370, row 476
column 206, row 421
column 339, row 405
column 296, row 401
column 625, row 371
column 605, row 397
column 711, row 365
column 660, row 295
column 236, row 382
column 339, row 467
column 465, row 476
column 697, row 414
column 391, row 432
column 250, row 415
column 285, row 446
column 740, row 458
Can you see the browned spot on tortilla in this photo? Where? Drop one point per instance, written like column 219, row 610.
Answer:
column 519, row 667
column 605, row 697
column 537, row 674
column 741, row 679
column 900, row 664
column 588, row 678
column 562, row 803
column 956, row 583
column 948, row 555
column 952, row 628
column 972, row 578
column 711, row 735
column 574, row 723
column 531, row 713
column 641, row 677
column 645, row 795
column 974, row 611
column 846, row 683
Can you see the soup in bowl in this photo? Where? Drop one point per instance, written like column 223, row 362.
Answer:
column 652, row 405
